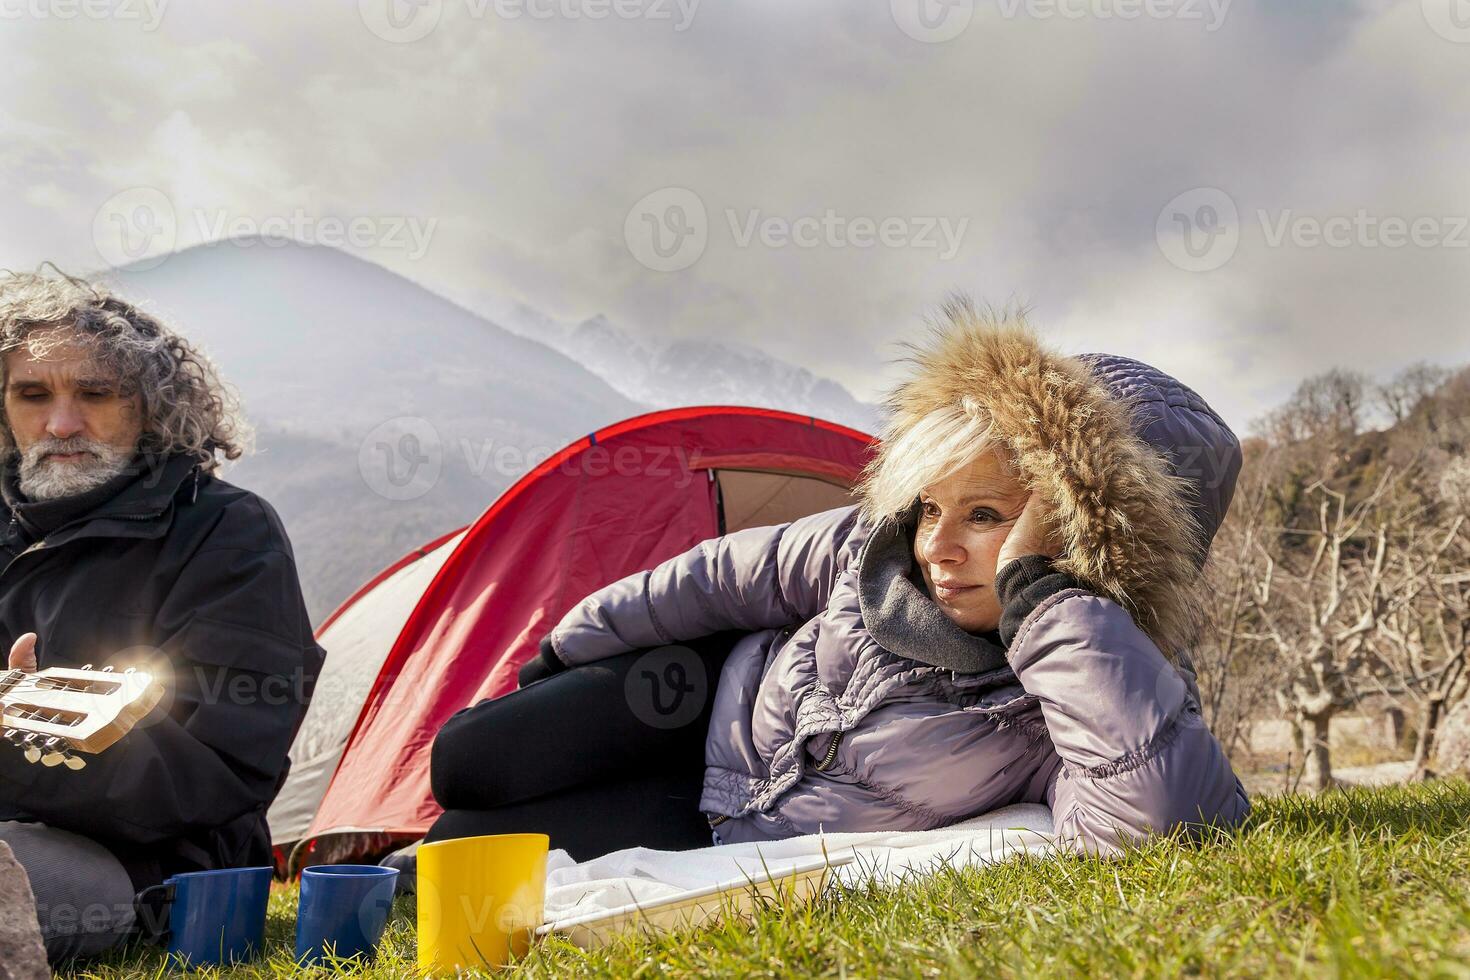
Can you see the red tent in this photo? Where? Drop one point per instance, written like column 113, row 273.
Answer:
column 451, row 623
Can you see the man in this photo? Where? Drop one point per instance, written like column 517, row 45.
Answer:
column 123, row 548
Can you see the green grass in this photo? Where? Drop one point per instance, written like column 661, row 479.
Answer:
column 1366, row 882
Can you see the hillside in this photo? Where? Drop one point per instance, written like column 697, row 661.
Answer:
column 336, row 359
column 690, row 371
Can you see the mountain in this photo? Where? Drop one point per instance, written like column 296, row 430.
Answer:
column 385, row 414
column 672, row 373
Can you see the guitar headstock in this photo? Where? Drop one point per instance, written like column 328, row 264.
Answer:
column 55, row 712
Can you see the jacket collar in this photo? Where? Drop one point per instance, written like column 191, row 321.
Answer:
column 901, row 616
column 124, row 506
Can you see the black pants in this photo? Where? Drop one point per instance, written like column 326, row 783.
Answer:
column 600, row 757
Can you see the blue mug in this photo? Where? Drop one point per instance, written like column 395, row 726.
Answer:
column 214, row 917
column 342, row 911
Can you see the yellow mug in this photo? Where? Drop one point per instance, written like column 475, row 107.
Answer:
column 480, row 899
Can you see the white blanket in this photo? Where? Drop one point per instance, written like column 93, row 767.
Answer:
column 608, row 886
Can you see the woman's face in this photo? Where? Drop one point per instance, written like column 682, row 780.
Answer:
column 963, row 522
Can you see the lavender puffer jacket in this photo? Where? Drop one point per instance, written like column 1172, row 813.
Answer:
column 853, row 704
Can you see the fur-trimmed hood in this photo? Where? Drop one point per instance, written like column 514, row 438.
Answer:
column 1138, row 471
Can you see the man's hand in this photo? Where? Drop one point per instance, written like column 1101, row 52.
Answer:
column 1030, row 535
column 23, row 653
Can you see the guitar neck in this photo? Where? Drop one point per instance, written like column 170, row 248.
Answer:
column 54, row 712
column 9, row 680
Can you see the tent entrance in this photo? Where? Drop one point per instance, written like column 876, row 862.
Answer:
column 760, row 498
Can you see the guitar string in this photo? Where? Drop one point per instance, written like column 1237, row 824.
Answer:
column 54, row 685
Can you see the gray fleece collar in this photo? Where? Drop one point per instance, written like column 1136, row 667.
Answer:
column 904, row 620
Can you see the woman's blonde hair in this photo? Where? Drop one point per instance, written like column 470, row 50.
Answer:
column 921, row 455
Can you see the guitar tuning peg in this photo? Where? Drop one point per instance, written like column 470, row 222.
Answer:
column 130, row 670
column 33, row 754
column 51, row 759
column 107, row 669
column 52, row 742
column 86, row 666
column 74, row 762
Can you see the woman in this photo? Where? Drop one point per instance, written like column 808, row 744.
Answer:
column 1003, row 618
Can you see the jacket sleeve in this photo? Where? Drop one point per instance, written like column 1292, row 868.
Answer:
column 1136, row 755
column 235, row 631
column 756, row 578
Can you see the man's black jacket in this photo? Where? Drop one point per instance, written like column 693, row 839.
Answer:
column 172, row 566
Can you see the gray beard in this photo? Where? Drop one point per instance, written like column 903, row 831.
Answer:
column 45, row 479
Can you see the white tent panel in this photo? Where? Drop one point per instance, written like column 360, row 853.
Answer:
column 357, row 643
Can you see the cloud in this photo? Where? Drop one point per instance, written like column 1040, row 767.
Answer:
column 1056, row 133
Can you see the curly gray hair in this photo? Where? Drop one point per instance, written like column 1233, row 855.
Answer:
column 187, row 408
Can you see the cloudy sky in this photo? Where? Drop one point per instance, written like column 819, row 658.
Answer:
column 1241, row 193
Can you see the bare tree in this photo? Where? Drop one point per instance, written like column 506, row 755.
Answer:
column 1422, row 643
column 1321, row 418
column 1228, row 661
column 1402, row 394
column 1320, row 611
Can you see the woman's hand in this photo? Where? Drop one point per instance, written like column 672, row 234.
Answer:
column 1030, row 535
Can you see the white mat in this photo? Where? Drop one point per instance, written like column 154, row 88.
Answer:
column 638, row 880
